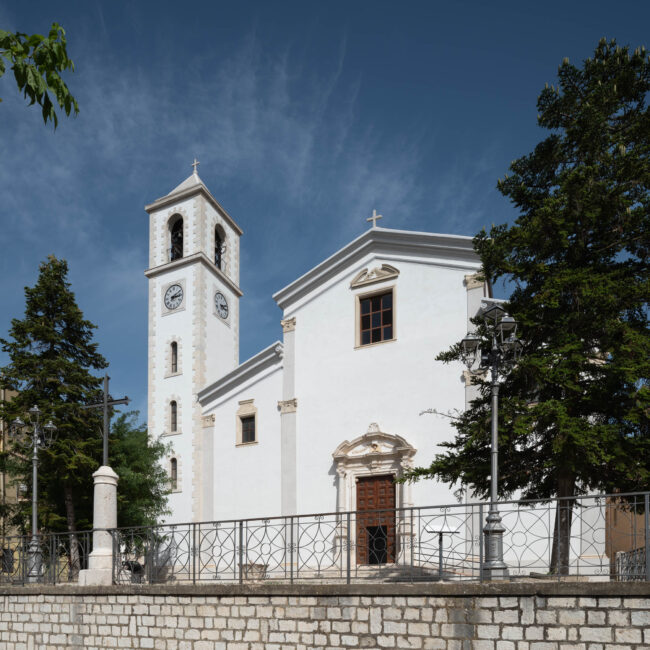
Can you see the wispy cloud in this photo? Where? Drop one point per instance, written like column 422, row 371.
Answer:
column 301, row 152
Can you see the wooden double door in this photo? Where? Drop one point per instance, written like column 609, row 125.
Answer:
column 376, row 543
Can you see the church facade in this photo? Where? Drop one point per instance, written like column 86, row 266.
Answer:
column 324, row 419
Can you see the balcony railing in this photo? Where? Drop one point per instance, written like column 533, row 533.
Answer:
column 604, row 538
column 403, row 544
column 58, row 558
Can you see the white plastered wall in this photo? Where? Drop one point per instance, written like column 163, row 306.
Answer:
column 341, row 390
column 246, row 477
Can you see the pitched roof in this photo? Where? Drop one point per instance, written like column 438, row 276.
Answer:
column 455, row 251
column 190, row 186
column 192, row 180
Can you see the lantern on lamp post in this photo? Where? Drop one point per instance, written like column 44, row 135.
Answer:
column 503, row 352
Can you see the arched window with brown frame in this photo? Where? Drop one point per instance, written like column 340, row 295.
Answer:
column 173, row 413
column 176, row 238
column 174, row 356
column 173, row 474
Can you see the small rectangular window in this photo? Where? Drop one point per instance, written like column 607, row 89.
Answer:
column 376, row 322
column 248, row 429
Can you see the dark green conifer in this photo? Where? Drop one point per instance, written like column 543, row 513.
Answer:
column 52, row 358
column 575, row 412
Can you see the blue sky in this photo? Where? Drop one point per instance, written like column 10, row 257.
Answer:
column 305, row 116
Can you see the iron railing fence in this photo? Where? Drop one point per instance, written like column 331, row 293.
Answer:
column 576, row 537
column 58, row 558
column 631, row 565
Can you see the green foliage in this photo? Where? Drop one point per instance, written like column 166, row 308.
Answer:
column 37, row 62
column 143, row 485
column 575, row 412
column 52, row 354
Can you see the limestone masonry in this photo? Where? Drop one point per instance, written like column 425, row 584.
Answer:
column 455, row 617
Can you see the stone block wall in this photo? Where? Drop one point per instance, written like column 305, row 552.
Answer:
column 450, row 617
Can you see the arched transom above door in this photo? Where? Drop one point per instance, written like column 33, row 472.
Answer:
column 372, row 454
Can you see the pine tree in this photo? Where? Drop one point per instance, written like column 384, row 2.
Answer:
column 52, row 354
column 52, row 358
column 575, row 412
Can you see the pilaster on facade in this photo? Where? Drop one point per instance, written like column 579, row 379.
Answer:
column 288, row 324
column 152, row 240
column 207, row 421
column 471, row 378
column 474, row 281
column 200, row 218
column 199, row 346
column 288, row 406
column 288, row 425
column 151, row 345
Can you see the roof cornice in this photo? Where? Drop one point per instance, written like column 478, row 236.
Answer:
column 191, row 259
column 457, row 249
column 182, row 195
column 268, row 357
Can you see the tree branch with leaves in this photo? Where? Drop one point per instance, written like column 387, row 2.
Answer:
column 37, row 63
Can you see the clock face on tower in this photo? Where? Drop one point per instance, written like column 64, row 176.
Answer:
column 221, row 305
column 174, row 296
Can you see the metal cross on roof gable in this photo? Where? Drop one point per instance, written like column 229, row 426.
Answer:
column 374, row 218
column 195, row 164
column 105, row 404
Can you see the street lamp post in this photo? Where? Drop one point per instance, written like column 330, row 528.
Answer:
column 503, row 352
column 41, row 437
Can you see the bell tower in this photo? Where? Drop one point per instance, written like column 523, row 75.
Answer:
column 193, row 326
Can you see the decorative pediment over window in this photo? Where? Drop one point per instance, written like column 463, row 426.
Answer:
column 374, row 445
column 378, row 274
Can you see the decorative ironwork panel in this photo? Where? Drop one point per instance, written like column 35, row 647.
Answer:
column 588, row 536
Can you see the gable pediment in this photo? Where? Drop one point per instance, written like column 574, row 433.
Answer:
column 449, row 251
column 370, row 276
column 374, row 443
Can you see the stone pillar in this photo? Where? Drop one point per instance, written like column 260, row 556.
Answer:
column 288, row 406
column 100, row 561
column 341, row 484
column 407, row 519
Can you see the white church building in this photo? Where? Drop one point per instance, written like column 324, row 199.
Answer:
column 326, row 418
